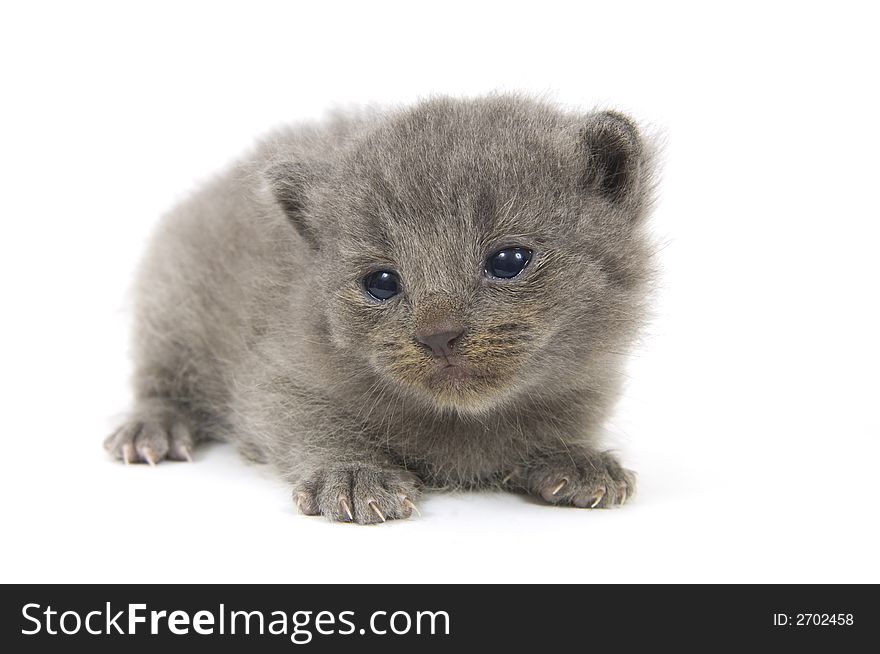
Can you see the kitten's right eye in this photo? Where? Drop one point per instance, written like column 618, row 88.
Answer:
column 382, row 284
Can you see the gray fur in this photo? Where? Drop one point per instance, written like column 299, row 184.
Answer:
column 252, row 324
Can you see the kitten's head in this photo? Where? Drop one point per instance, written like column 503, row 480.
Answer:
column 474, row 250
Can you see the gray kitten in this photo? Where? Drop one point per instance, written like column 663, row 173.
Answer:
column 438, row 296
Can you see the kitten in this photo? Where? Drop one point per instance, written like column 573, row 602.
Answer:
column 436, row 296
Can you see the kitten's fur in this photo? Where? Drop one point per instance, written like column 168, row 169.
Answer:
column 253, row 325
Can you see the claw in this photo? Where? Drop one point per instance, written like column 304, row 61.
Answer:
column 598, row 499
column 623, row 496
column 345, row 507
column 376, row 510
column 408, row 502
column 184, row 451
column 126, row 454
column 150, row 457
column 507, row 478
column 558, row 487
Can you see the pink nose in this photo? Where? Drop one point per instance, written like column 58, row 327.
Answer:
column 442, row 343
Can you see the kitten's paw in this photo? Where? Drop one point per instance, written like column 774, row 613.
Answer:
column 151, row 437
column 595, row 481
column 365, row 494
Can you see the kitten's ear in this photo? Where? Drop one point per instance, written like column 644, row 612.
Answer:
column 612, row 153
column 288, row 182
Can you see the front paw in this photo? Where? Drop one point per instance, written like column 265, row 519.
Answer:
column 590, row 481
column 362, row 493
column 152, row 435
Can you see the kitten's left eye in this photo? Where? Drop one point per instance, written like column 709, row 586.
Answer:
column 508, row 262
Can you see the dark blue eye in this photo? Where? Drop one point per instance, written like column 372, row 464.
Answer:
column 382, row 284
column 508, row 263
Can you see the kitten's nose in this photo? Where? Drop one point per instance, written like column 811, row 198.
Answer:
column 440, row 343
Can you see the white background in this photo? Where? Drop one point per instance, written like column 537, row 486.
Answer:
column 751, row 411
